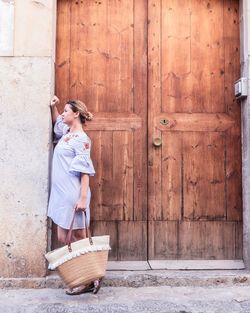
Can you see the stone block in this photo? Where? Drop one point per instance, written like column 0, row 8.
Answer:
column 34, row 27
column 25, row 90
column 6, row 27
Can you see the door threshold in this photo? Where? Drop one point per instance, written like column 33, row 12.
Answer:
column 196, row 264
column 175, row 265
column 128, row 266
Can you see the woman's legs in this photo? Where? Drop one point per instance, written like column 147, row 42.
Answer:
column 61, row 234
column 77, row 234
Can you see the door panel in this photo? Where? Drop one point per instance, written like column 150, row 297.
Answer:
column 102, row 60
column 195, row 240
column 195, row 175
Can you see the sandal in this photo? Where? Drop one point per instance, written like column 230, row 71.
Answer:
column 97, row 285
column 79, row 290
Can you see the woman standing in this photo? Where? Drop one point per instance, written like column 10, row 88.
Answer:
column 71, row 169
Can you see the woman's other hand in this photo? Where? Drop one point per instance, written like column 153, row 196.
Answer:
column 54, row 101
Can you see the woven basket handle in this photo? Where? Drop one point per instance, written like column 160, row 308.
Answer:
column 87, row 230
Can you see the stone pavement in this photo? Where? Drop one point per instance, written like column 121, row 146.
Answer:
column 161, row 299
column 210, row 291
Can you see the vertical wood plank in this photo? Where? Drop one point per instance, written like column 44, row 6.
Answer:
column 154, row 107
column 74, row 82
column 233, row 161
column 233, row 175
column 62, row 66
column 120, row 54
column 176, row 62
column 172, row 175
column 204, row 177
column 100, row 228
column 122, row 186
column 86, row 18
column 107, row 208
column 91, row 64
column 207, row 48
column 232, row 55
column 132, row 240
column 140, row 108
column 96, row 181
column 163, row 240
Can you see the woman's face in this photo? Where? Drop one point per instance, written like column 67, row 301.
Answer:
column 68, row 115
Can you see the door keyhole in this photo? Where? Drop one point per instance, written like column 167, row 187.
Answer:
column 164, row 121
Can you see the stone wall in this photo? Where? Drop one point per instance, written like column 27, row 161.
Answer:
column 245, row 118
column 26, row 83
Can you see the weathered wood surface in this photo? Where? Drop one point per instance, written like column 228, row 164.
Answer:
column 102, row 60
column 134, row 63
column 194, row 177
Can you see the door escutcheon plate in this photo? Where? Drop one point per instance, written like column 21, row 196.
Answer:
column 164, row 121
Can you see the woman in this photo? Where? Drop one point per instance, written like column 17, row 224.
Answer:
column 71, row 169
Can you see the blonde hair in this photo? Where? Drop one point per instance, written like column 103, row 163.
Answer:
column 79, row 106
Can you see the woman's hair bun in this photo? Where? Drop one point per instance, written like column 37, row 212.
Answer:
column 89, row 116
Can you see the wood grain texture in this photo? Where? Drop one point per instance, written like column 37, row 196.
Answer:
column 163, row 240
column 132, row 238
column 194, row 240
column 233, row 161
column 62, row 64
column 200, row 122
column 100, row 228
column 106, row 63
column 204, row 176
column 134, row 63
column 172, row 176
column 194, row 179
column 140, row 109
column 154, row 109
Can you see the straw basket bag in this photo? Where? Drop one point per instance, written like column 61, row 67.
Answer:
column 81, row 262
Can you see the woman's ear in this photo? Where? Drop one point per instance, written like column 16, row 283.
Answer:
column 77, row 114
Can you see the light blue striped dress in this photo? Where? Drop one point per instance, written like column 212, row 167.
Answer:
column 71, row 158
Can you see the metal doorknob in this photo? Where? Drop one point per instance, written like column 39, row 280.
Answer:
column 157, row 142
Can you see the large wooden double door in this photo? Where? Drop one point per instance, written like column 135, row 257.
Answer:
column 158, row 76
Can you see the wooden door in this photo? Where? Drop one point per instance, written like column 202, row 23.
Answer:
column 161, row 69
column 195, row 175
column 102, row 60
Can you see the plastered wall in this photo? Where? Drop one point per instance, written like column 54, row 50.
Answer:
column 27, row 40
column 245, row 118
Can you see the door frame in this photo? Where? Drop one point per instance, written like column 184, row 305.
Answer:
column 244, row 18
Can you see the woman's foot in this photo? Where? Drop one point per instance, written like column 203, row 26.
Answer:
column 79, row 290
column 97, row 285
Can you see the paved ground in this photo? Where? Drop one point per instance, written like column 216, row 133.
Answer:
column 227, row 299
